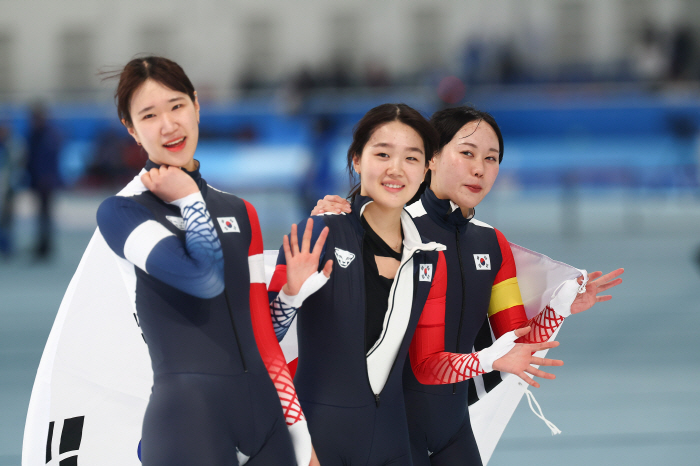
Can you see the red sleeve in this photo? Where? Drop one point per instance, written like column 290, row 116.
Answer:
column 430, row 363
column 506, row 310
column 269, row 348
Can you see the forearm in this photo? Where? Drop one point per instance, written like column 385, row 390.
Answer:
column 133, row 233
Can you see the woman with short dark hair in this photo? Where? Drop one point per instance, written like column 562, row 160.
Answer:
column 195, row 258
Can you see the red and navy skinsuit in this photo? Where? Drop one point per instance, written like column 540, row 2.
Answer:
column 353, row 400
column 203, row 309
column 481, row 282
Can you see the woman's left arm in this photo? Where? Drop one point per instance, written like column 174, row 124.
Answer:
column 269, row 348
column 506, row 310
column 432, row 365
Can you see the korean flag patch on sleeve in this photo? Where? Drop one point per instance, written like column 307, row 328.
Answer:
column 482, row 262
column 426, row 272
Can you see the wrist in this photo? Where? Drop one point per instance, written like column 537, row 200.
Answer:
column 287, row 290
column 188, row 200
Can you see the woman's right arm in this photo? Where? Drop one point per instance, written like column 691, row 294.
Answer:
column 132, row 232
column 296, row 275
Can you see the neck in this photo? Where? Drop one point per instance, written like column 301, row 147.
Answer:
column 466, row 211
column 191, row 166
column 386, row 223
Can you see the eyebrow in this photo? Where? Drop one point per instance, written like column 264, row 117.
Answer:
column 174, row 99
column 475, row 146
column 386, row 144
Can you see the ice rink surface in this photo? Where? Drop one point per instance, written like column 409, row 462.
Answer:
column 627, row 394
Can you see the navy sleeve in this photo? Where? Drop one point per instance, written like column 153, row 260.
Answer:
column 282, row 312
column 132, row 232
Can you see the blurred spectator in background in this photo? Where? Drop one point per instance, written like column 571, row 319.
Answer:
column 683, row 58
column 320, row 177
column 376, row 74
column 650, row 56
column 116, row 159
column 11, row 167
column 43, row 147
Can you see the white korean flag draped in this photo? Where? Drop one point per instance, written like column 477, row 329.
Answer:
column 95, row 377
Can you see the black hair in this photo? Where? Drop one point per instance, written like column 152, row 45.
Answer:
column 387, row 113
column 450, row 120
column 137, row 71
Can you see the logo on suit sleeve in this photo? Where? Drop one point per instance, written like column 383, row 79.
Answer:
column 179, row 222
column 344, row 257
column 228, row 225
column 426, row 272
column 482, row 262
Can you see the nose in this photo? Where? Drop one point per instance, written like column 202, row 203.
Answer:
column 478, row 168
column 168, row 124
column 395, row 166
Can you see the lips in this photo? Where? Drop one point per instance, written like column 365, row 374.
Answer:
column 474, row 188
column 176, row 144
column 393, row 187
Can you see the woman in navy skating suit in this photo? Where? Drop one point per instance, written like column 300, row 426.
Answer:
column 481, row 283
column 195, row 257
column 354, row 332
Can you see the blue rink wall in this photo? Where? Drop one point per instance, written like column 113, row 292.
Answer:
column 629, row 139
column 598, row 182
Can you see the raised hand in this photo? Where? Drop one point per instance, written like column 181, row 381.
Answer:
column 520, row 360
column 302, row 263
column 169, row 183
column 597, row 283
column 331, row 203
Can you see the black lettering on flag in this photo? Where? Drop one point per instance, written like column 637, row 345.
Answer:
column 491, row 380
column 48, row 442
column 484, row 340
column 71, row 461
column 71, row 435
column 472, row 397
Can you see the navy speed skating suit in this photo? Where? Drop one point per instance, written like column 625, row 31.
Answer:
column 481, row 282
column 353, row 399
column 201, row 304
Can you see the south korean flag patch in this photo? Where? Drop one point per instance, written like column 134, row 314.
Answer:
column 228, row 225
column 482, row 262
column 426, row 272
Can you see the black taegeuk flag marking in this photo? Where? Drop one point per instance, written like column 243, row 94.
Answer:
column 491, row 379
column 48, row 442
column 71, row 436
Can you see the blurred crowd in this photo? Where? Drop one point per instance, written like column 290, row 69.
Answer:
column 31, row 163
column 659, row 55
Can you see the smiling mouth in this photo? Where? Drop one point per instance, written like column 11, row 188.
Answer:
column 175, row 143
column 393, row 186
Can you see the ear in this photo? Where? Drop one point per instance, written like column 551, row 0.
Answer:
column 433, row 161
column 356, row 163
column 132, row 132
column 196, row 105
